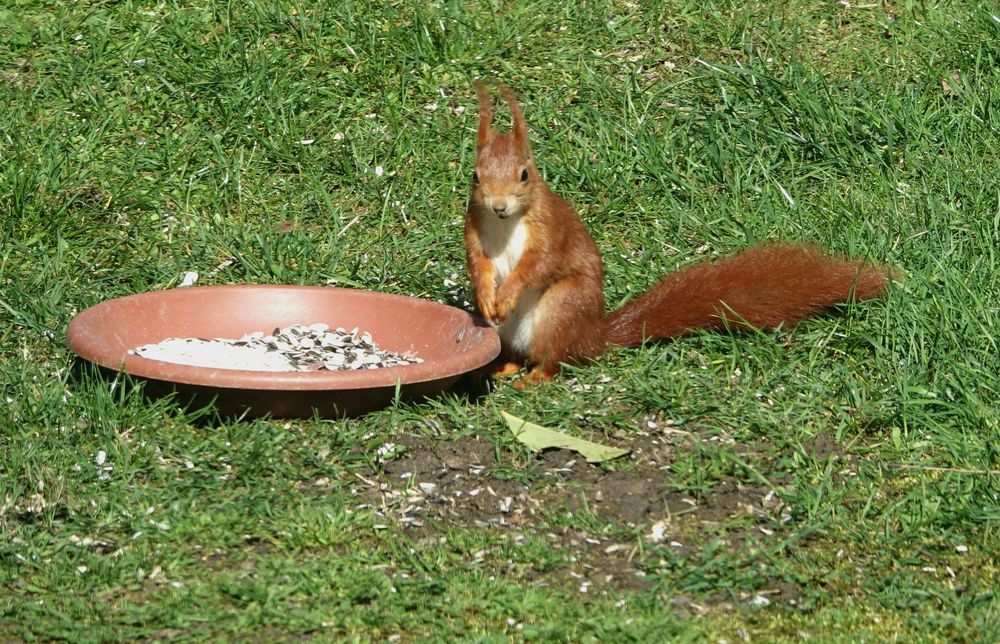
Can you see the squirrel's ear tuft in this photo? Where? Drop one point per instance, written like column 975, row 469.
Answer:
column 485, row 114
column 520, row 128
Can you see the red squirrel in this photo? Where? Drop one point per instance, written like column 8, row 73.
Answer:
column 538, row 275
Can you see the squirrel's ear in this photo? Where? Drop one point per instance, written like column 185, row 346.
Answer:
column 520, row 128
column 485, row 114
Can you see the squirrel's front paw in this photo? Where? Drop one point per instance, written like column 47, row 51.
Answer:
column 487, row 308
column 504, row 306
column 489, row 312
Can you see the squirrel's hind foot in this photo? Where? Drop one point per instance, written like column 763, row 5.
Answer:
column 505, row 368
column 536, row 376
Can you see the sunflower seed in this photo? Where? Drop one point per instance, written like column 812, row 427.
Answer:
column 298, row 347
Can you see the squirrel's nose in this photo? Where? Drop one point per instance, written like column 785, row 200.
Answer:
column 500, row 208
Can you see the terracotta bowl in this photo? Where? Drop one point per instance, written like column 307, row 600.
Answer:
column 451, row 342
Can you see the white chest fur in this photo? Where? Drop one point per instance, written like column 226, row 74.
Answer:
column 503, row 241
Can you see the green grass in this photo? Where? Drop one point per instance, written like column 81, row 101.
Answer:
column 141, row 140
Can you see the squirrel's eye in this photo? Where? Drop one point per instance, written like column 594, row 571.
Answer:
column 524, row 175
column 475, row 177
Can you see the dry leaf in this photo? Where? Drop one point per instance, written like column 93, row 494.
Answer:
column 538, row 438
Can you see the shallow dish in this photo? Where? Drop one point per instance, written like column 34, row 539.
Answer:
column 451, row 342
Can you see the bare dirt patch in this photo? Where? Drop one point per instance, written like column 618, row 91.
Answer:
column 604, row 520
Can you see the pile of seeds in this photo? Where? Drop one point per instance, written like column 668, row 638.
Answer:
column 315, row 347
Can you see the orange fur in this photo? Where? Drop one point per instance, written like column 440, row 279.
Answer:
column 764, row 287
column 538, row 275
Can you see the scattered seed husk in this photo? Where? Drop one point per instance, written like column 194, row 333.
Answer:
column 300, row 347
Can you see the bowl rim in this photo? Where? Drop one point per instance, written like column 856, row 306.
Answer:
column 88, row 345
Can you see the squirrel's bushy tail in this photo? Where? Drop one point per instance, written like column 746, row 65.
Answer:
column 763, row 287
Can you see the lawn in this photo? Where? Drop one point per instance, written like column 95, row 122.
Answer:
column 839, row 481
